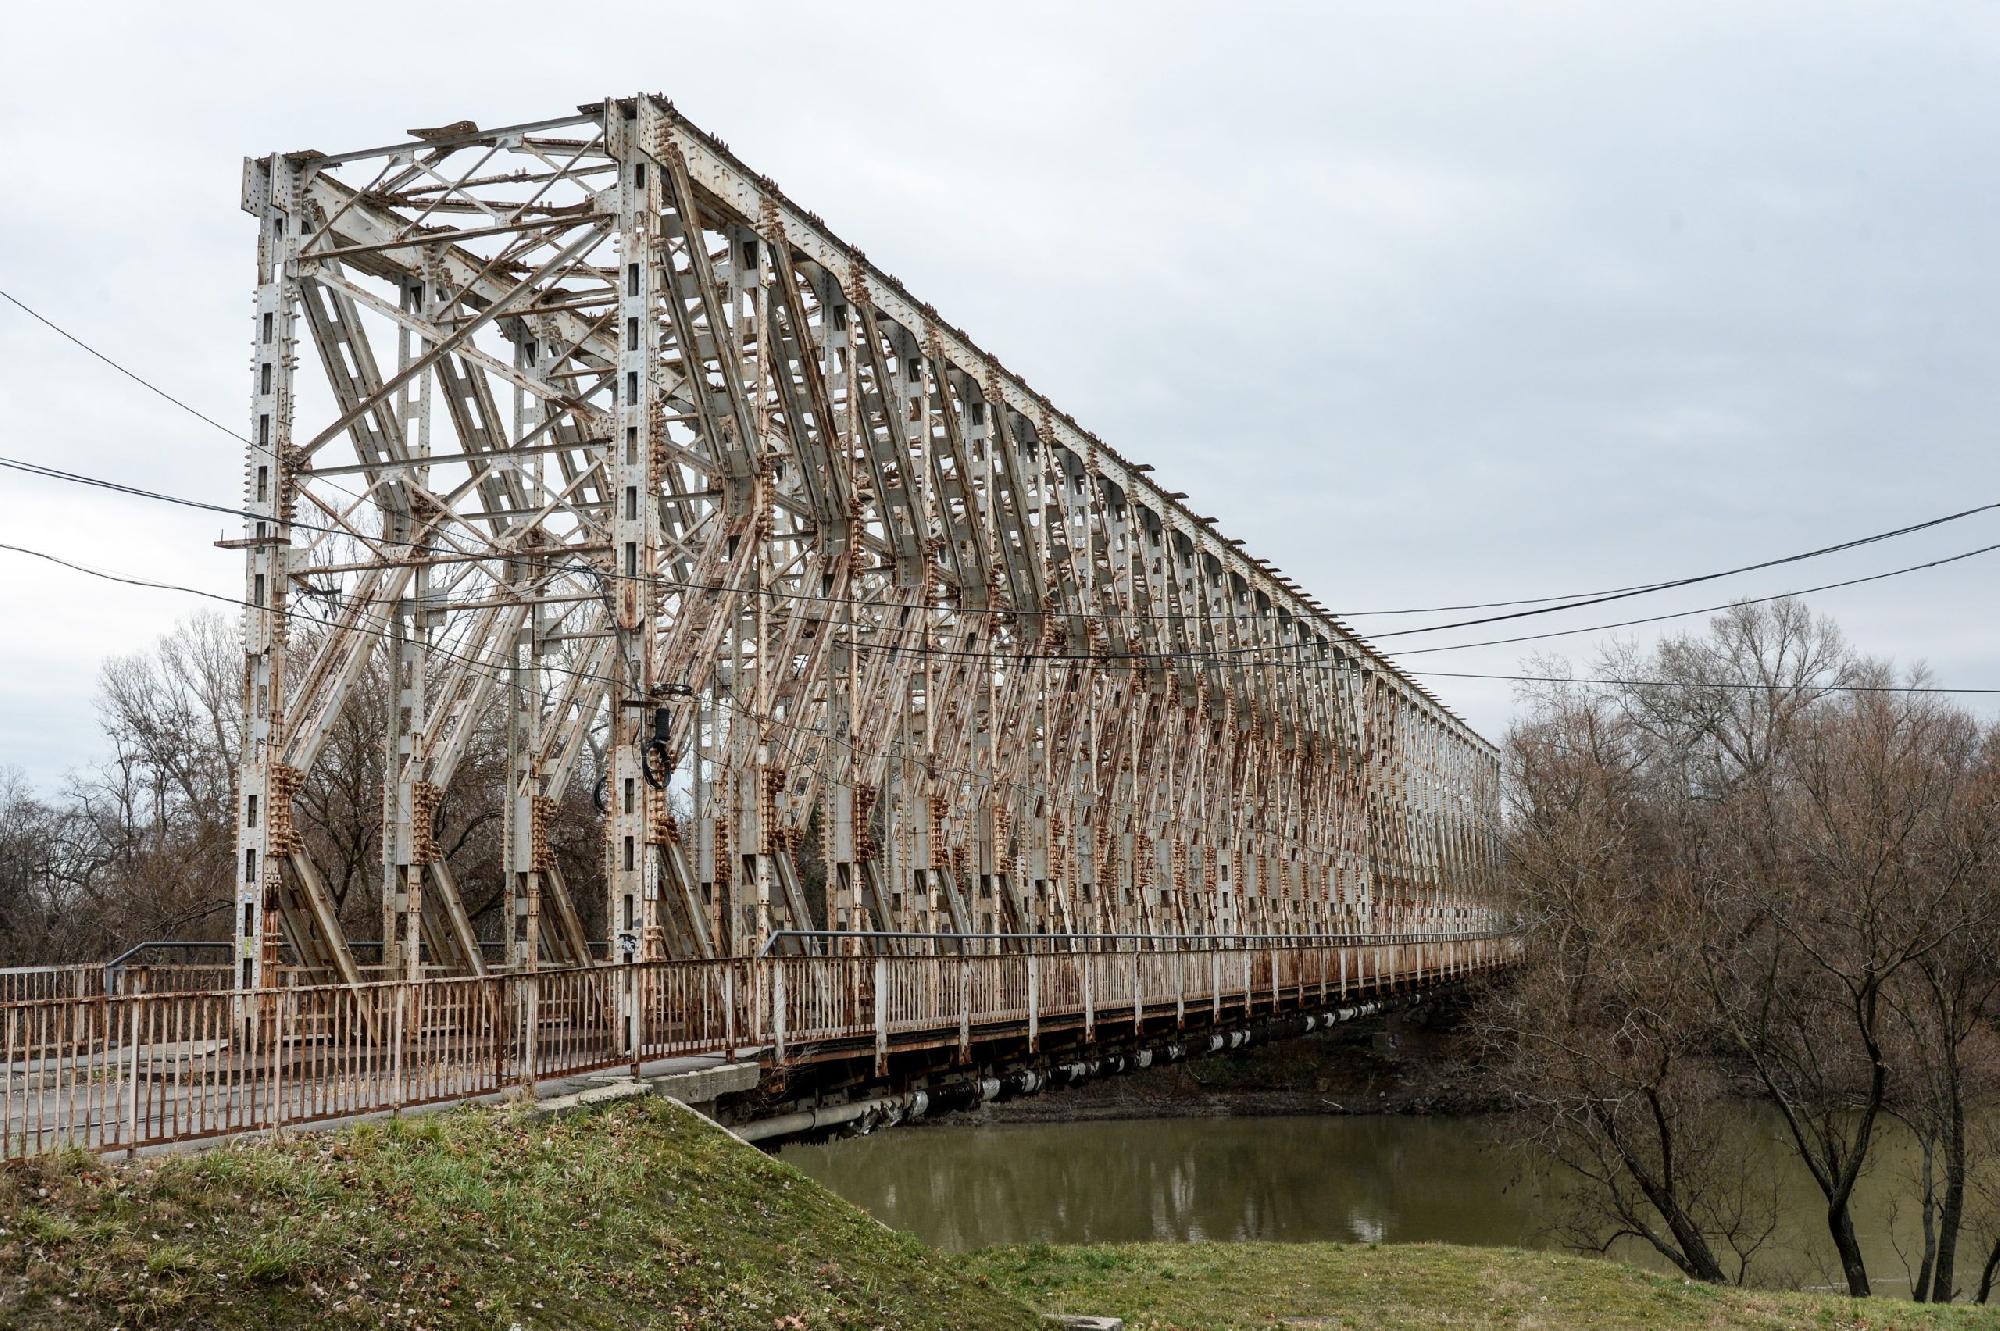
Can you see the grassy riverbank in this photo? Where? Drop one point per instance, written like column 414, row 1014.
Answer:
column 641, row 1215
column 635, row 1216
column 1415, row 1287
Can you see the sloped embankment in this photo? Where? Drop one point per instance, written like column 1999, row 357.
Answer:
column 637, row 1215
column 640, row 1215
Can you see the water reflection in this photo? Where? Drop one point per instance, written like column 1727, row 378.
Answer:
column 1358, row 1180
column 1364, row 1180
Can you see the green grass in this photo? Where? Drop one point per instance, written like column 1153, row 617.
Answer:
column 1404, row 1287
column 640, row 1215
column 637, row 1215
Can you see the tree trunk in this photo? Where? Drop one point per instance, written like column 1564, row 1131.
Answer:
column 1839, row 1199
column 1951, row 1215
column 1986, row 1275
column 1920, row 1288
column 1701, row 1263
column 1840, row 1224
column 1696, row 1258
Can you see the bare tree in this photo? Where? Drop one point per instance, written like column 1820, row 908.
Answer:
column 1601, row 1043
column 161, row 809
column 1856, row 868
column 1941, row 1035
column 48, row 869
column 1780, row 863
column 142, row 845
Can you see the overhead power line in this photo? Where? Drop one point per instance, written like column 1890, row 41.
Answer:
column 1699, row 683
column 798, row 734
column 38, row 469
column 1113, row 662
column 803, row 734
column 128, row 579
column 1545, row 604
column 1536, row 637
column 133, row 375
column 1644, row 589
column 1704, row 610
column 1637, row 588
column 79, row 478
column 146, row 383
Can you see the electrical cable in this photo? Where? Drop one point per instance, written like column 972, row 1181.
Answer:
column 144, row 382
column 1564, row 602
column 1494, row 642
column 56, row 473
column 791, row 748
column 1704, row 610
column 988, row 779
column 1648, row 588
column 1591, row 598
column 1701, row 683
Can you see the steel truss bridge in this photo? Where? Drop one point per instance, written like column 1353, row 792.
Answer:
column 584, row 460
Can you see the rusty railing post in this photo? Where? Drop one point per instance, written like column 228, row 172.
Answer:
column 1034, row 1002
column 778, row 1009
column 881, row 1015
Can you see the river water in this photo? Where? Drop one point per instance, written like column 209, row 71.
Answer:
column 1359, row 1179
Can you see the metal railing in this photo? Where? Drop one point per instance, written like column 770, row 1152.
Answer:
column 111, row 1071
column 869, row 941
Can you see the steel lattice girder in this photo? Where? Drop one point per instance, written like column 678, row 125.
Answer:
column 560, row 425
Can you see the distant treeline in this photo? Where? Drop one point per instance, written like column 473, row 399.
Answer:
column 141, row 845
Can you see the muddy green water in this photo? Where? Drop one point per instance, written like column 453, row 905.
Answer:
column 1349, row 1179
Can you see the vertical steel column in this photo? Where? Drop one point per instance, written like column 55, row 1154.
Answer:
column 845, row 837
column 524, row 834
column 709, row 865
column 525, row 811
column 409, row 631
column 632, row 906
column 749, row 310
column 264, row 821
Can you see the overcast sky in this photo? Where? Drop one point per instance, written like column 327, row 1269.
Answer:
column 1430, row 303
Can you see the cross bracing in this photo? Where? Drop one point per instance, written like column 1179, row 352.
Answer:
column 580, row 442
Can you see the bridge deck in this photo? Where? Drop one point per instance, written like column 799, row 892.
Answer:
column 111, row 1071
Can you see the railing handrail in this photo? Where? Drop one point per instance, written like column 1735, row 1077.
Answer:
column 1206, row 942
column 118, row 962
column 124, row 1070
